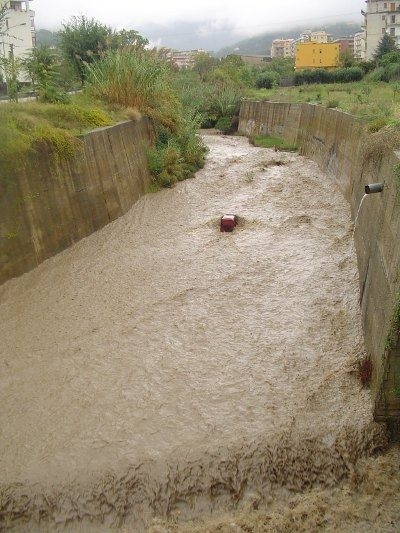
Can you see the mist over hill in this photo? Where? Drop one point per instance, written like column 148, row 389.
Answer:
column 183, row 35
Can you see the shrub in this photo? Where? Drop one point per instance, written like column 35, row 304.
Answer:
column 266, row 80
column 332, row 103
column 224, row 124
column 341, row 75
column 377, row 124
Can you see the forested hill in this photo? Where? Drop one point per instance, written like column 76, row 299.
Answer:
column 261, row 44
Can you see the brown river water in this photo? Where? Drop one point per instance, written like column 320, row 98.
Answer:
column 160, row 371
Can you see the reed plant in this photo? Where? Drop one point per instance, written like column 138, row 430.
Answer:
column 143, row 82
column 135, row 79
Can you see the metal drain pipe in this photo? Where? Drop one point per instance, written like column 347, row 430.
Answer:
column 373, row 187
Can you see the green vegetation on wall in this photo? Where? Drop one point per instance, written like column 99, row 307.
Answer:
column 393, row 335
column 29, row 127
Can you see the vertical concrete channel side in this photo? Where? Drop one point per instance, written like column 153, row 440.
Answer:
column 337, row 142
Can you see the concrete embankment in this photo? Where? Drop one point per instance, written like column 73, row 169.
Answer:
column 353, row 157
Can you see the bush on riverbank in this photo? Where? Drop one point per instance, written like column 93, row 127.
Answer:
column 144, row 81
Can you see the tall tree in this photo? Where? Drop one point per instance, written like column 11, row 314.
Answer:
column 127, row 39
column 11, row 67
column 204, row 63
column 41, row 66
column 386, row 44
column 83, row 41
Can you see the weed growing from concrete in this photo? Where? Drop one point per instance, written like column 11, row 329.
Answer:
column 269, row 141
column 249, row 176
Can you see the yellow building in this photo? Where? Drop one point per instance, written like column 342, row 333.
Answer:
column 317, row 55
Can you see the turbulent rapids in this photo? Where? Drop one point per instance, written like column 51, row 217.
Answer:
column 160, row 368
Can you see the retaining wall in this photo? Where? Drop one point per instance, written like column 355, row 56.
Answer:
column 53, row 204
column 352, row 157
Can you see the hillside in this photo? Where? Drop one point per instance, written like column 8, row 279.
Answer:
column 261, row 44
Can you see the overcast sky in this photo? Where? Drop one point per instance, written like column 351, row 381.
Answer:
column 246, row 17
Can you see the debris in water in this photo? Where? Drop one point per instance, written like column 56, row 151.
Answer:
column 228, row 222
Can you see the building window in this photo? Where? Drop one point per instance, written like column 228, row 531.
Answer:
column 18, row 6
column 385, row 5
column 393, row 19
column 383, row 31
column 392, row 30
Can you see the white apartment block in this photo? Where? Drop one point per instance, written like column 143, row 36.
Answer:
column 17, row 30
column 319, row 36
column 380, row 18
column 183, row 59
column 359, row 45
column 283, row 48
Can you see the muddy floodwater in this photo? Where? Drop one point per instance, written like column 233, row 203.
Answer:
column 162, row 370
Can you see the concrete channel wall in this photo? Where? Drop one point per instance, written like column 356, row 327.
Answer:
column 352, row 158
column 53, row 204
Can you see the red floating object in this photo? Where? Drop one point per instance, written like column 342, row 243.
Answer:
column 228, row 222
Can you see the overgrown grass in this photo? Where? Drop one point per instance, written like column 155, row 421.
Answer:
column 393, row 336
column 26, row 128
column 137, row 80
column 269, row 141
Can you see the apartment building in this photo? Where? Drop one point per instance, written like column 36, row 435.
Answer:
column 17, row 29
column 359, row 45
column 380, row 18
column 319, row 36
column 346, row 44
column 183, row 59
column 317, row 55
column 283, row 48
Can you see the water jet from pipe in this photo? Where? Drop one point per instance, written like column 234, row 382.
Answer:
column 370, row 188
